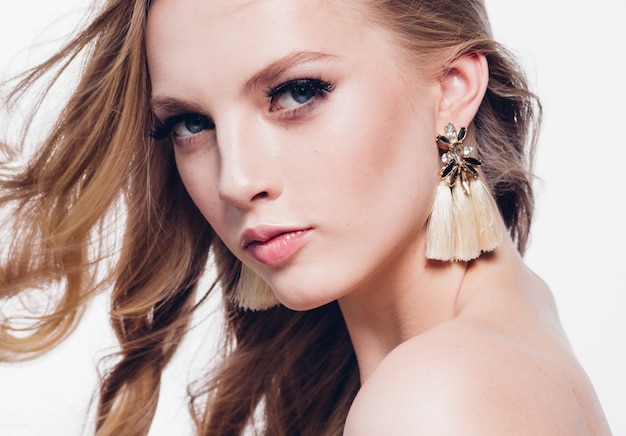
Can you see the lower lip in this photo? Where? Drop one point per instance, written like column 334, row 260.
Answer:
column 278, row 249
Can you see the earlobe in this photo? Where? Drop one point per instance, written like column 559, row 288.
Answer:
column 463, row 87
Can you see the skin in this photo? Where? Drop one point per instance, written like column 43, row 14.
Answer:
column 449, row 348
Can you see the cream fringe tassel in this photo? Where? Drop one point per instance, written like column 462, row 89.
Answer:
column 252, row 292
column 462, row 226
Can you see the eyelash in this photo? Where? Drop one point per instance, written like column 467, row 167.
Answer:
column 163, row 129
column 320, row 89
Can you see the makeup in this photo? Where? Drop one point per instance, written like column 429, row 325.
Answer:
column 274, row 246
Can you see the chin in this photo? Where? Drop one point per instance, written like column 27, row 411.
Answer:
column 303, row 303
column 303, row 290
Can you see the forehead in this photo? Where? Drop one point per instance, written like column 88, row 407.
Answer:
column 223, row 9
column 245, row 35
column 236, row 24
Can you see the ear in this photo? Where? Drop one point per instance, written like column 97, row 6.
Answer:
column 462, row 88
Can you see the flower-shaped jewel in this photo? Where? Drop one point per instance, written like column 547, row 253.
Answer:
column 458, row 160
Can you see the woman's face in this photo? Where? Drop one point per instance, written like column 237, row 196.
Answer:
column 301, row 134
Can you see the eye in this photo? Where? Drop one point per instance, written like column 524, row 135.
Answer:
column 191, row 125
column 295, row 93
column 182, row 126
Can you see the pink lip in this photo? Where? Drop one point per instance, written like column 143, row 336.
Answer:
column 272, row 246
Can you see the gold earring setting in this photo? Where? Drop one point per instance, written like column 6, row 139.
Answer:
column 463, row 221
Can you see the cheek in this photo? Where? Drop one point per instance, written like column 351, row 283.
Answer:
column 379, row 151
column 198, row 174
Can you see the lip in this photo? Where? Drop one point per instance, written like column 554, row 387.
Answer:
column 271, row 245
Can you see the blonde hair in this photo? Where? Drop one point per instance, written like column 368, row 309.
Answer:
column 99, row 155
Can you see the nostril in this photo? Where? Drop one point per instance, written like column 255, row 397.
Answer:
column 260, row 195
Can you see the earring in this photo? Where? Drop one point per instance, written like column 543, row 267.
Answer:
column 462, row 223
column 252, row 292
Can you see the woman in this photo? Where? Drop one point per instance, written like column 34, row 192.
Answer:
column 341, row 152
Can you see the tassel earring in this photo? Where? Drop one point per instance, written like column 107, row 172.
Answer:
column 252, row 292
column 462, row 223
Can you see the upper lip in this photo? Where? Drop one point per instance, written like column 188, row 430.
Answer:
column 262, row 234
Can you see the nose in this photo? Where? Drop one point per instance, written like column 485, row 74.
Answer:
column 248, row 164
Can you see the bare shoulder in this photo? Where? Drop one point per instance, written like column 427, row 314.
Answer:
column 467, row 379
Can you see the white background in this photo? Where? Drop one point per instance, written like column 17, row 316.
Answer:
column 573, row 52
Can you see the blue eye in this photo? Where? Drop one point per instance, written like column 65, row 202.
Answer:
column 182, row 126
column 302, row 93
column 191, row 125
column 297, row 93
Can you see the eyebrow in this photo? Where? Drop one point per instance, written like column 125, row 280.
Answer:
column 277, row 68
column 169, row 105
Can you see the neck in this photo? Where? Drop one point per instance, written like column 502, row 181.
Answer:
column 408, row 298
